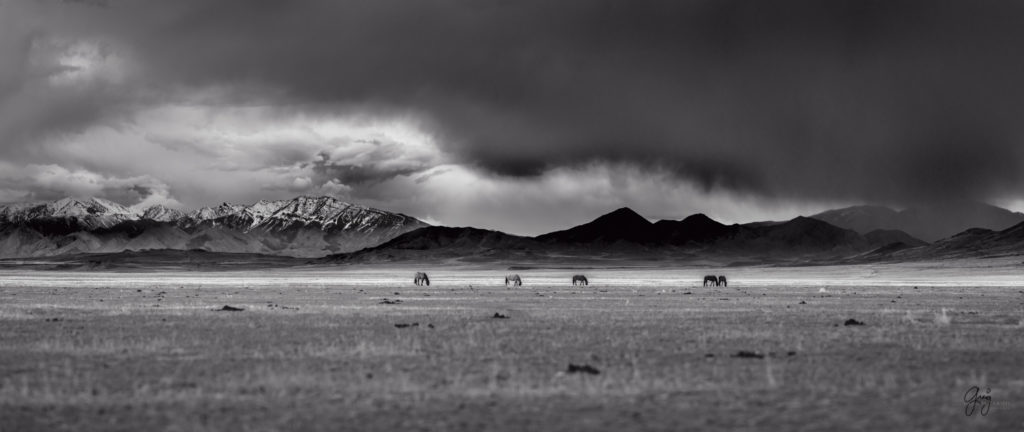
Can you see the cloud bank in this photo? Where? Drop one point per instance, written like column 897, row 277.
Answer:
column 744, row 110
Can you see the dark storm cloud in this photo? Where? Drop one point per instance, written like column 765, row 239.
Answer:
column 872, row 100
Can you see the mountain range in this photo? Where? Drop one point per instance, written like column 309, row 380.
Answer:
column 303, row 227
column 624, row 234
column 334, row 231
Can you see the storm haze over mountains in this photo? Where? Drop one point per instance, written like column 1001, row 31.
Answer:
column 525, row 116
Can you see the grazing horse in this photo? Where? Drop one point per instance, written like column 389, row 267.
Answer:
column 722, row 281
column 514, row 279
column 579, row 279
column 710, row 280
column 421, row 279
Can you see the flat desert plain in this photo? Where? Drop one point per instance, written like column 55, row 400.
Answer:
column 362, row 348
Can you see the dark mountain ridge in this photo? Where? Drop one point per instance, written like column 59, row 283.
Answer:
column 927, row 222
column 624, row 234
column 979, row 242
column 694, row 229
column 437, row 243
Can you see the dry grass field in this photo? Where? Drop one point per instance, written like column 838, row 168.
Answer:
column 320, row 349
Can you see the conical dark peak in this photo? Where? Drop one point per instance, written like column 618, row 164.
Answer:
column 624, row 215
column 622, row 224
column 700, row 220
column 697, row 217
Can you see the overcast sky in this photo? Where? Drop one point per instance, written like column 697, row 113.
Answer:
column 525, row 115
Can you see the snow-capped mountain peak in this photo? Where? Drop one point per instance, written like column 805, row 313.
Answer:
column 90, row 213
column 85, row 207
column 161, row 213
column 323, row 210
column 262, row 210
column 208, row 213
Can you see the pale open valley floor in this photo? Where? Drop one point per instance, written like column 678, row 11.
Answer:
column 318, row 349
